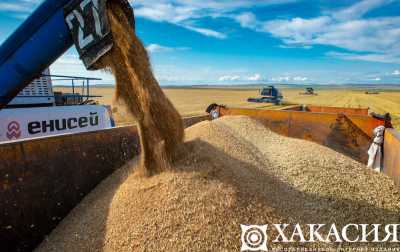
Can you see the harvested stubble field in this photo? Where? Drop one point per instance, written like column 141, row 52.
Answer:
column 193, row 101
column 384, row 102
column 236, row 172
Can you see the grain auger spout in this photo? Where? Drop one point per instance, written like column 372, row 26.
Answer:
column 50, row 31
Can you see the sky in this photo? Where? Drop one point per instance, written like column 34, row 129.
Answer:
column 253, row 41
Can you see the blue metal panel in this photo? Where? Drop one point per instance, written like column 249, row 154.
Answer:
column 42, row 14
column 32, row 48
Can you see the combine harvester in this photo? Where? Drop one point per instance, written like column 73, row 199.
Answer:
column 268, row 95
column 309, row 91
column 372, row 92
column 43, row 178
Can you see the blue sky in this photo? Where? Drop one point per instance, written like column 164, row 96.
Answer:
column 254, row 41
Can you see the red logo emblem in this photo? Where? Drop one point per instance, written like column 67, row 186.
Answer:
column 14, row 130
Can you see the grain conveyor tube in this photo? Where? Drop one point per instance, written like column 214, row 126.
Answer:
column 36, row 44
column 53, row 28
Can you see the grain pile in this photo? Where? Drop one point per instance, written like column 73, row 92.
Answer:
column 236, row 172
column 160, row 125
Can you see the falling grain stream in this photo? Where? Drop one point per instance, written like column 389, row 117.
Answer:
column 160, row 125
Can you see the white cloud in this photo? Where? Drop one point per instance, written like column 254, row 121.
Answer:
column 229, row 78
column 383, row 58
column 396, row 72
column 186, row 13
column 207, row 7
column 371, row 39
column 359, row 9
column 246, row 20
column 289, row 79
column 377, row 79
column 297, row 30
column 166, row 12
column 300, row 78
column 70, row 65
column 206, row 32
column 377, row 35
column 21, row 6
column 177, row 14
column 13, row 7
column 280, row 79
column 156, row 48
column 294, row 46
column 255, row 77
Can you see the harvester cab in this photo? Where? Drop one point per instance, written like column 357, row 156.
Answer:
column 268, row 95
column 309, row 91
column 28, row 106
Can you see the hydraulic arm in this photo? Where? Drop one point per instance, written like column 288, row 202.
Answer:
column 51, row 30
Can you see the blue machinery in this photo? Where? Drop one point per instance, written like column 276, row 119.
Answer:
column 268, row 95
column 51, row 30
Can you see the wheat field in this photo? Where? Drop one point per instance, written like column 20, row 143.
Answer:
column 194, row 101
